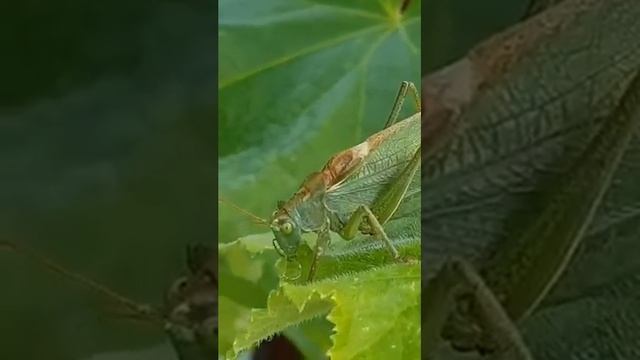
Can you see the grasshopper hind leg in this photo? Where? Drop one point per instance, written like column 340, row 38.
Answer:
column 397, row 104
column 383, row 208
column 322, row 243
column 355, row 224
column 460, row 308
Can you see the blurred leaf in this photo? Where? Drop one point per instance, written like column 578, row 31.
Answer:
column 514, row 143
column 452, row 26
column 159, row 352
column 106, row 172
column 244, row 284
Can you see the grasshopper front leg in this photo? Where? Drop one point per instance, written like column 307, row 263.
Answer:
column 458, row 281
column 348, row 232
column 321, row 244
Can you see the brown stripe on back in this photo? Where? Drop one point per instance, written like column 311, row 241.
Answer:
column 339, row 167
column 314, row 183
column 343, row 164
column 376, row 139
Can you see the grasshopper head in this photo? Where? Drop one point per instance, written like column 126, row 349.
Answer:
column 287, row 234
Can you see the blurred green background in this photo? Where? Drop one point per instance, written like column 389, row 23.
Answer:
column 452, row 27
column 107, row 137
column 587, row 314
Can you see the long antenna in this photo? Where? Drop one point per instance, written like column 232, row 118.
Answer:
column 256, row 219
column 145, row 312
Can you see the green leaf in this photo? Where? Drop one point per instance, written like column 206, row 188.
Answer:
column 299, row 81
column 246, row 275
column 248, row 272
column 516, row 142
column 232, row 319
column 376, row 313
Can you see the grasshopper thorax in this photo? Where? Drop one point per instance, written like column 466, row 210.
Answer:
column 287, row 234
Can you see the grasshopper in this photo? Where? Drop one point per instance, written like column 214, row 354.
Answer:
column 478, row 309
column 191, row 306
column 189, row 313
column 378, row 174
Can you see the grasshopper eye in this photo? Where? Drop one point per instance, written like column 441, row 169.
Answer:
column 287, row 228
column 176, row 291
column 273, row 214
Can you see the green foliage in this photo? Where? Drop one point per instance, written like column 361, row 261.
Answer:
column 372, row 312
column 299, row 81
column 106, row 142
column 523, row 136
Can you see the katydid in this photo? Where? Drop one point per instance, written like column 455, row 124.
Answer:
column 189, row 313
column 383, row 167
column 479, row 309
